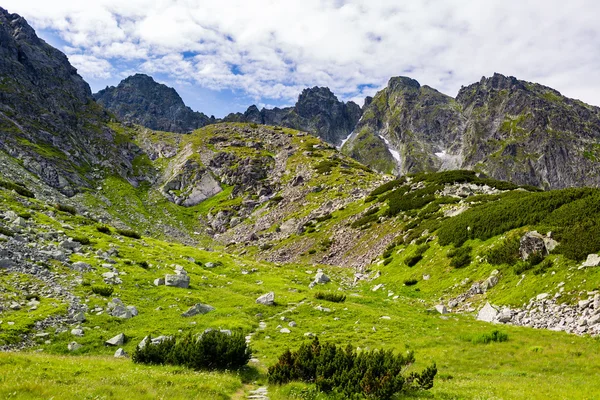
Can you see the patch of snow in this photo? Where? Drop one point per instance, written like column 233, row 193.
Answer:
column 449, row 161
column 394, row 153
column 345, row 140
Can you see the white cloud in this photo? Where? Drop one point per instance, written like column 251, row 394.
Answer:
column 273, row 49
column 91, row 66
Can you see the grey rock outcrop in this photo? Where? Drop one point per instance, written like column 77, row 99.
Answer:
column 532, row 243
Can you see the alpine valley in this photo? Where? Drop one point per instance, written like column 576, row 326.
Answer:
column 448, row 246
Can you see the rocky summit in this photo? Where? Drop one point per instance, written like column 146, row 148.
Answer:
column 251, row 258
column 141, row 100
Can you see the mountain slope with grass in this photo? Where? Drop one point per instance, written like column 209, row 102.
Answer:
column 248, row 260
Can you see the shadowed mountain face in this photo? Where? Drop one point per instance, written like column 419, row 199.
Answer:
column 142, row 100
column 317, row 111
column 49, row 121
column 510, row 129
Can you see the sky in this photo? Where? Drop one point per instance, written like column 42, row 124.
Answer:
column 224, row 55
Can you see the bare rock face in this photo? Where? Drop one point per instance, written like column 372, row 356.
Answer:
column 142, row 100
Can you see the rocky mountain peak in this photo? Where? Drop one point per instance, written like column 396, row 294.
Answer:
column 399, row 83
column 142, row 100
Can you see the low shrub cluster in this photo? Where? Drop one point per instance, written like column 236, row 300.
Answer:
column 411, row 261
column 506, row 252
column 129, row 233
column 66, row 208
column 17, row 187
column 415, row 200
column 374, row 374
column 486, row 338
column 411, row 282
column 211, row 350
column 326, row 166
column 82, row 240
column 103, row 229
column 386, row 187
column 333, row 297
column 5, row 231
column 368, row 217
column 103, row 290
column 460, row 257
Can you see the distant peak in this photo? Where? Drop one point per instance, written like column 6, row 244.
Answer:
column 403, row 82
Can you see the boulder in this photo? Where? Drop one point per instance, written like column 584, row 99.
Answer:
column 120, row 353
column 267, row 299
column 80, row 266
column 116, row 340
column 6, row 263
column 488, row 313
column 441, row 309
column 73, row 346
column 321, row 278
column 593, row 260
column 180, row 281
column 159, row 281
column 285, row 330
column 489, row 283
column 198, row 309
column 532, row 243
column 70, row 245
column 77, row 332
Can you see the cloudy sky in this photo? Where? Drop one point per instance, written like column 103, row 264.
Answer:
column 224, row 55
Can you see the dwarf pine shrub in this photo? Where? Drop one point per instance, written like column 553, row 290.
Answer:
column 377, row 374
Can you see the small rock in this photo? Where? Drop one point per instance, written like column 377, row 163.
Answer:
column 73, row 346
column 159, row 281
column 267, row 299
column 77, row 332
column 285, row 330
column 321, row 278
column 120, row 353
column 441, row 309
column 116, row 340
column 198, row 309
column 487, row 313
column 180, row 281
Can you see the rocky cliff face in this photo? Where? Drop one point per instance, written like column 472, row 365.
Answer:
column 49, row 121
column 317, row 111
column 142, row 100
column 509, row 129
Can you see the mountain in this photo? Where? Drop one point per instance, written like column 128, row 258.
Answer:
column 317, row 111
column 142, row 100
column 49, row 121
column 509, row 129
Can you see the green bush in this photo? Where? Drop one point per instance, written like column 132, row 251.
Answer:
column 312, row 251
column 66, row 208
column 324, row 218
column 333, row 297
column 253, row 125
column 25, row 215
column 386, row 187
column 5, row 231
column 213, row 350
column 144, row 264
column 410, row 282
column 495, row 336
column 460, row 257
column 368, row 217
column 103, row 229
column 387, row 261
column 326, row 166
column 17, row 187
column 129, row 233
column 374, row 374
column 103, row 290
column 506, row 252
column 398, row 201
column 417, row 256
column 82, row 240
